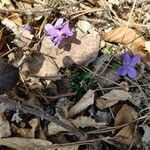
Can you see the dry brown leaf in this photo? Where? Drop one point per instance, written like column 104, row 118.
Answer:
column 84, row 121
column 126, row 135
column 54, row 129
column 131, row 38
column 23, row 37
column 74, row 49
column 24, row 143
column 34, row 144
column 82, row 104
column 26, row 132
column 4, row 126
column 42, row 65
column 112, row 98
column 125, row 115
column 123, row 35
column 12, row 16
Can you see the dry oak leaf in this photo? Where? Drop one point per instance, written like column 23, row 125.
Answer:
column 129, row 37
column 112, row 98
column 84, row 121
column 24, row 143
column 125, row 115
column 82, row 48
column 82, row 104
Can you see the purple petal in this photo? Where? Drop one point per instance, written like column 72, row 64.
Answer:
column 59, row 23
column 126, row 58
column 48, row 26
column 134, row 60
column 122, row 71
column 58, row 39
column 27, row 27
column 53, row 32
column 132, row 73
column 65, row 30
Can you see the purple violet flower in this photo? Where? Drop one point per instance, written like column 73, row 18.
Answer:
column 58, row 31
column 27, row 27
column 128, row 67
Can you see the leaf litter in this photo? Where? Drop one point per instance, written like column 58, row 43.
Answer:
column 74, row 75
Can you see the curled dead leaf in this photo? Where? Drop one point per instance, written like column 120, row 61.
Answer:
column 82, row 104
column 84, row 121
column 54, row 129
column 24, row 143
column 112, row 98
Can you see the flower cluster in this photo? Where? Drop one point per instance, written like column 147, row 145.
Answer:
column 128, row 67
column 58, row 31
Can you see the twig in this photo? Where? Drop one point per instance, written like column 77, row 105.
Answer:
column 42, row 114
column 28, row 11
column 110, row 129
column 60, row 146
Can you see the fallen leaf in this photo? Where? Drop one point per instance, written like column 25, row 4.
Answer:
column 11, row 15
column 9, row 76
column 84, row 121
column 126, row 115
column 124, row 35
column 42, row 65
column 82, row 104
column 126, row 135
column 23, row 37
column 131, row 38
column 4, row 126
column 24, row 143
column 74, row 49
column 54, row 129
column 26, row 132
column 112, row 98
